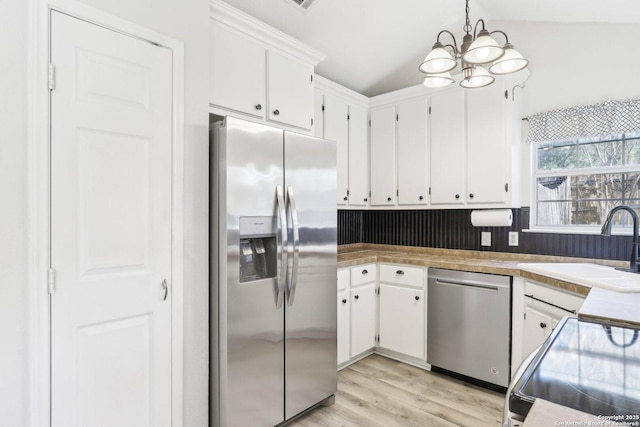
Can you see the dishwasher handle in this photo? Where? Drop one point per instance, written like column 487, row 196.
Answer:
column 469, row 283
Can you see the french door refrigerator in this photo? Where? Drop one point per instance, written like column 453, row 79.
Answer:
column 273, row 273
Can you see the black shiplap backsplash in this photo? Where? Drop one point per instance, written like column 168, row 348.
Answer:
column 452, row 229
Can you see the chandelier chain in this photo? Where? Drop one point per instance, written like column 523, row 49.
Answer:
column 467, row 25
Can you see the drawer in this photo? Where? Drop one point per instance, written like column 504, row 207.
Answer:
column 402, row 275
column 343, row 279
column 558, row 297
column 363, row 274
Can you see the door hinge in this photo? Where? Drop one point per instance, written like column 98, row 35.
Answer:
column 52, row 77
column 397, row 192
column 525, row 316
column 397, row 117
column 506, row 94
column 429, row 190
column 506, row 187
column 347, row 191
column 311, row 78
column 348, row 117
column 322, row 107
column 311, row 121
column 429, row 109
column 369, row 123
column 51, row 280
column 378, row 339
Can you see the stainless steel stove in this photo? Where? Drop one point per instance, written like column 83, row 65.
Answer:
column 590, row 367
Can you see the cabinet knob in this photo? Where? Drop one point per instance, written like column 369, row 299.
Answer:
column 365, row 199
column 345, row 198
column 417, row 298
column 344, row 301
column 356, row 297
column 471, row 195
column 276, row 112
column 457, row 196
column 400, row 272
column 365, row 272
column 420, row 198
column 258, row 107
column 388, row 199
column 543, row 325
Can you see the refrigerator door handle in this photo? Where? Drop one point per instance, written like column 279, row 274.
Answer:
column 283, row 246
column 292, row 282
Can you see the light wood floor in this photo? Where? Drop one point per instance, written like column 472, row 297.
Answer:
column 377, row 391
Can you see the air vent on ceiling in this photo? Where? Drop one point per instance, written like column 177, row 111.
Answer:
column 305, row 4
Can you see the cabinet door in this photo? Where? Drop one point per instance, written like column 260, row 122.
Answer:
column 318, row 114
column 363, row 318
column 412, row 153
column 402, row 320
column 537, row 327
column 487, row 149
column 343, row 326
column 336, row 128
column 237, row 72
column 358, row 157
column 289, row 91
column 447, row 128
column 383, row 159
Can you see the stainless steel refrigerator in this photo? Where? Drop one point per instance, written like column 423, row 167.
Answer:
column 273, row 274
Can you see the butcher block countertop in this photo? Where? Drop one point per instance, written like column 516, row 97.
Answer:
column 501, row 263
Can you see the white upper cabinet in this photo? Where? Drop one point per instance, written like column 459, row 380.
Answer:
column 237, row 72
column 336, row 128
column 289, row 91
column 383, row 156
column 475, row 145
column 488, row 154
column 258, row 72
column 358, row 157
column 447, row 127
column 341, row 116
column 412, row 153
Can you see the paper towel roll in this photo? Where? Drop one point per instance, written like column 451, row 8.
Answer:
column 492, row 218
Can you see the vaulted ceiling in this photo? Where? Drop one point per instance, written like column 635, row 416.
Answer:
column 375, row 46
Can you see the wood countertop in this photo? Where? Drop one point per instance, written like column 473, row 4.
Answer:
column 501, row 263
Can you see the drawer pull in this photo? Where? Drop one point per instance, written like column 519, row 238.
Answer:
column 400, row 272
column 344, row 301
column 417, row 298
column 356, row 297
column 365, row 272
column 543, row 325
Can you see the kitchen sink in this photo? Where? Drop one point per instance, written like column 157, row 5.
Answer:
column 594, row 275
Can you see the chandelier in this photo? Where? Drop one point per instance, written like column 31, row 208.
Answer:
column 478, row 50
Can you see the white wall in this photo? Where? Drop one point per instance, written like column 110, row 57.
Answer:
column 185, row 20
column 576, row 64
column 573, row 64
column 13, row 214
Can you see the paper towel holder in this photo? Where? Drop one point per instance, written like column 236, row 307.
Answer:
column 492, row 218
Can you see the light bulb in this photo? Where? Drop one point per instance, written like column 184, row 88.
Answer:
column 437, row 64
column 482, row 53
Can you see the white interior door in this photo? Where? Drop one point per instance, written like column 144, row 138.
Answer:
column 110, row 228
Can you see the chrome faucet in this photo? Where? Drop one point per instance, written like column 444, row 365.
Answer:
column 634, row 267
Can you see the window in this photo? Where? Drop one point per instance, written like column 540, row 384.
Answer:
column 577, row 182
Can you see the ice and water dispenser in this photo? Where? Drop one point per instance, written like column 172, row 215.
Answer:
column 258, row 248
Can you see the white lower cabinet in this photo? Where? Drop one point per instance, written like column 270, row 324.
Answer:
column 343, row 326
column 363, row 318
column 402, row 326
column 537, row 310
column 343, row 316
column 394, row 323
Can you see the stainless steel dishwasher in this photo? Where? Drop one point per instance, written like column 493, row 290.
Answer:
column 468, row 328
